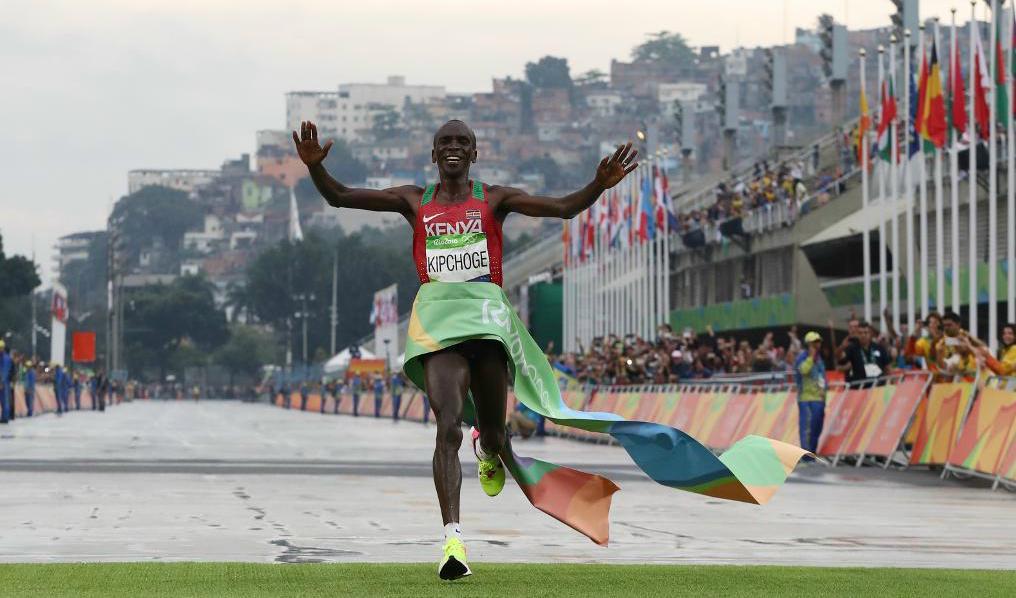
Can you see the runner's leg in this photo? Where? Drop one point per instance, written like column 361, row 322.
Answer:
column 489, row 383
column 446, row 377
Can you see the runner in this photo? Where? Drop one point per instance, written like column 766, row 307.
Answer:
column 466, row 343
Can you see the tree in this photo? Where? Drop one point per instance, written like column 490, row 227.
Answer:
column 18, row 278
column 664, row 47
column 549, row 72
column 594, row 78
column 156, row 212
column 342, row 165
column 244, row 353
column 17, row 275
column 172, row 326
column 369, row 260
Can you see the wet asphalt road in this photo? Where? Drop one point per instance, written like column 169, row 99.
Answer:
column 215, row 481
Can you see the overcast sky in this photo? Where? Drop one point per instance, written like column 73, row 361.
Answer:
column 93, row 89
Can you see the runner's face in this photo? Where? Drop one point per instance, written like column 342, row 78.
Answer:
column 1008, row 335
column 454, row 149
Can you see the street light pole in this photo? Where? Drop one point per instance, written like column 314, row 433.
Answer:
column 303, row 315
column 335, row 290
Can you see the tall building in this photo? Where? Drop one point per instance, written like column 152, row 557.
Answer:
column 349, row 112
column 72, row 248
column 181, row 179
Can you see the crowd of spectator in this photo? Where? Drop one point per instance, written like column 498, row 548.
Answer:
column 767, row 187
column 939, row 344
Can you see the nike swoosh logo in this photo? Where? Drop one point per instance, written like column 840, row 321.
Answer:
column 427, row 219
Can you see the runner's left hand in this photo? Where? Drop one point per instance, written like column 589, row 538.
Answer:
column 614, row 168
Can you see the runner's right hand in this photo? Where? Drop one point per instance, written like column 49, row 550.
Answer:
column 307, row 145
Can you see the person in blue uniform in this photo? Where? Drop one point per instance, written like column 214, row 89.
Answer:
column 28, row 380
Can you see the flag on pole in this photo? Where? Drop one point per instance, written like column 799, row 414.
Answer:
column 957, row 91
column 922, row 89
column 629, row 230
column 1012, row 61
column 915, row 139
column 566, row 240
column 888, row 113
column 575, row 234
column 295, row 232
column 933, row 126
column 661, row 203
column 647, row 226
column 672, row 221
column 1001, row 96
column 982, row 81
column 864, row 123
column 615, row 218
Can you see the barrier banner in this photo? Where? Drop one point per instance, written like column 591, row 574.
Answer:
column 919, row 415
column 414, row 407
column 687, row 410
column 44, row 401
column 667, row 408
column 893, row 424
column 649, row 407
column 842, row 410
column 628, row 404
column 723, row 433
column 346, row 403
column 939, row 424
column 981, row 442
column 874, row 406
column 712, row 407
column 1007, row 466
column 773, row 415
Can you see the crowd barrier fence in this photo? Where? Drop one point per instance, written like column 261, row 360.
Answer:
column 907, row 419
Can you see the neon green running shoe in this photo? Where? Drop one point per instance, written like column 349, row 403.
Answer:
column 490, row 471
column 453, row 565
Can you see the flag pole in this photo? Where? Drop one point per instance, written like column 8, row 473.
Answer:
column 647, row 277
column 626, row 259
column 883, row 291
column 1010, row 160
column 993, row 186
column 972, row 179
column 894, row 183
column 909, row 182
column 924, row 246
column 660, row 232
column 866, row 252
column 939, row 200
column 668, row 205
column 954, row 168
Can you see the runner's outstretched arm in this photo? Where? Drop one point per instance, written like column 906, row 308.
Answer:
column 609, row 173
column 335, row 193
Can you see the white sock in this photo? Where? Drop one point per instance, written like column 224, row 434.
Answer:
column 452, row 530
column 480, row 453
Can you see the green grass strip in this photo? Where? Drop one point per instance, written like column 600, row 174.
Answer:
column 251, row 580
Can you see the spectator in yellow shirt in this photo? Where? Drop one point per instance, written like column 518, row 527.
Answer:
column 953, row 354
column 930, row 334
column 1005, row 363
